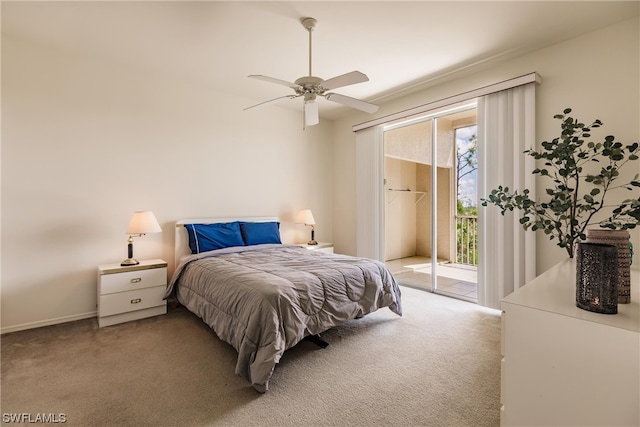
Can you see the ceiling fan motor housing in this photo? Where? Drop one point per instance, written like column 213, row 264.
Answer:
column 309, row 84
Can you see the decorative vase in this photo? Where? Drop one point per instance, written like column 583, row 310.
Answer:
column 597, row 278
column 620, row 239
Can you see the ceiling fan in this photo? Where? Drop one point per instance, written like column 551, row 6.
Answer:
column 311, row 87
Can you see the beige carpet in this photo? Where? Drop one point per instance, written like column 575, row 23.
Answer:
column 438, row 365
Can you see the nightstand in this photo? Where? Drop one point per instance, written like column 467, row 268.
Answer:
column 132, row 292
column 320, row 247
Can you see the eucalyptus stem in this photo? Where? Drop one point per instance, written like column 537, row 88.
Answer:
column 565, row 213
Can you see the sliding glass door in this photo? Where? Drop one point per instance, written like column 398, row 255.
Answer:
column 421, row 171
column 506, row 124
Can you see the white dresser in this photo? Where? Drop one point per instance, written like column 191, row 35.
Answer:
column 130, row 293
column 564, row 366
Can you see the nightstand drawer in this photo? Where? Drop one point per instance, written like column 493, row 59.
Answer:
column 139, row 299
column 131, row 280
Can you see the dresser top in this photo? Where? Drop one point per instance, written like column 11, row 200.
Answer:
column 555, row 291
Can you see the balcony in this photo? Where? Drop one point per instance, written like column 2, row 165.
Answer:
column 457, row 278
column 467, row 240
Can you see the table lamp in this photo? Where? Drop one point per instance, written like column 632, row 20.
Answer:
column 142, row 222
column 306, row 217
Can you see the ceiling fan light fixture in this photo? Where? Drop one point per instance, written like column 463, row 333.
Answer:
column 311, row 116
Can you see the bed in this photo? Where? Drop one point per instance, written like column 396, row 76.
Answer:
column 263, row 297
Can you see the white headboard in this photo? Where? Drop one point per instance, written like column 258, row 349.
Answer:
column 181, row 247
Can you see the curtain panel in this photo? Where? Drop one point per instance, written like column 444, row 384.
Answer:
column 506, row 128
column 370, row 194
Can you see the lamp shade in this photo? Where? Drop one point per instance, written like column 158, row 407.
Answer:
column 143, row 222
column 305, row 217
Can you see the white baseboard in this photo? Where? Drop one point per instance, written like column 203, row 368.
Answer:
column 48, row 322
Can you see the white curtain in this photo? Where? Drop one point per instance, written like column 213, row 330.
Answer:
column 506, row 127
column 370, row 193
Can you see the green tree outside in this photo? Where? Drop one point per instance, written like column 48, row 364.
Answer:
column 467, row 210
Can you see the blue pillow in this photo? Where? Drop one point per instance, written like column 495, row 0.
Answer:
column 257, row 233
column 207, row 237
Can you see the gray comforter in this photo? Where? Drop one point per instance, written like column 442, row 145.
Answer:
column 264, row 299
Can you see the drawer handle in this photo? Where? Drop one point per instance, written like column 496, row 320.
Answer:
column 136, row 280
column 136, row 300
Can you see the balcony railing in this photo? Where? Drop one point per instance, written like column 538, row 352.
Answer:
column 467, row 240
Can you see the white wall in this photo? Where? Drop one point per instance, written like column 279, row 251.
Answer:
column 85, row 143
column 596, row 74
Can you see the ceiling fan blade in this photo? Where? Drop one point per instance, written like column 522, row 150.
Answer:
column 352, row 102
column 345, row 80
column 274, row 80
column 265, row 103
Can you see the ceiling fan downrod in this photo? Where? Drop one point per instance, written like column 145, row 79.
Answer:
column 309, row 24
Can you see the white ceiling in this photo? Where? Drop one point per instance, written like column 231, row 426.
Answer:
column 398, row 45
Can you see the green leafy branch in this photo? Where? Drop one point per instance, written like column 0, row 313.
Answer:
column 568, row 208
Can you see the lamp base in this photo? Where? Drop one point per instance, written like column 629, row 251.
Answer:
column 313, row 237
column 129, row 261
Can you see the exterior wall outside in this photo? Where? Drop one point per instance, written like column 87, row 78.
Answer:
column 408, row 215
column 423, row 229
column 400, row 209
column 446, row 221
